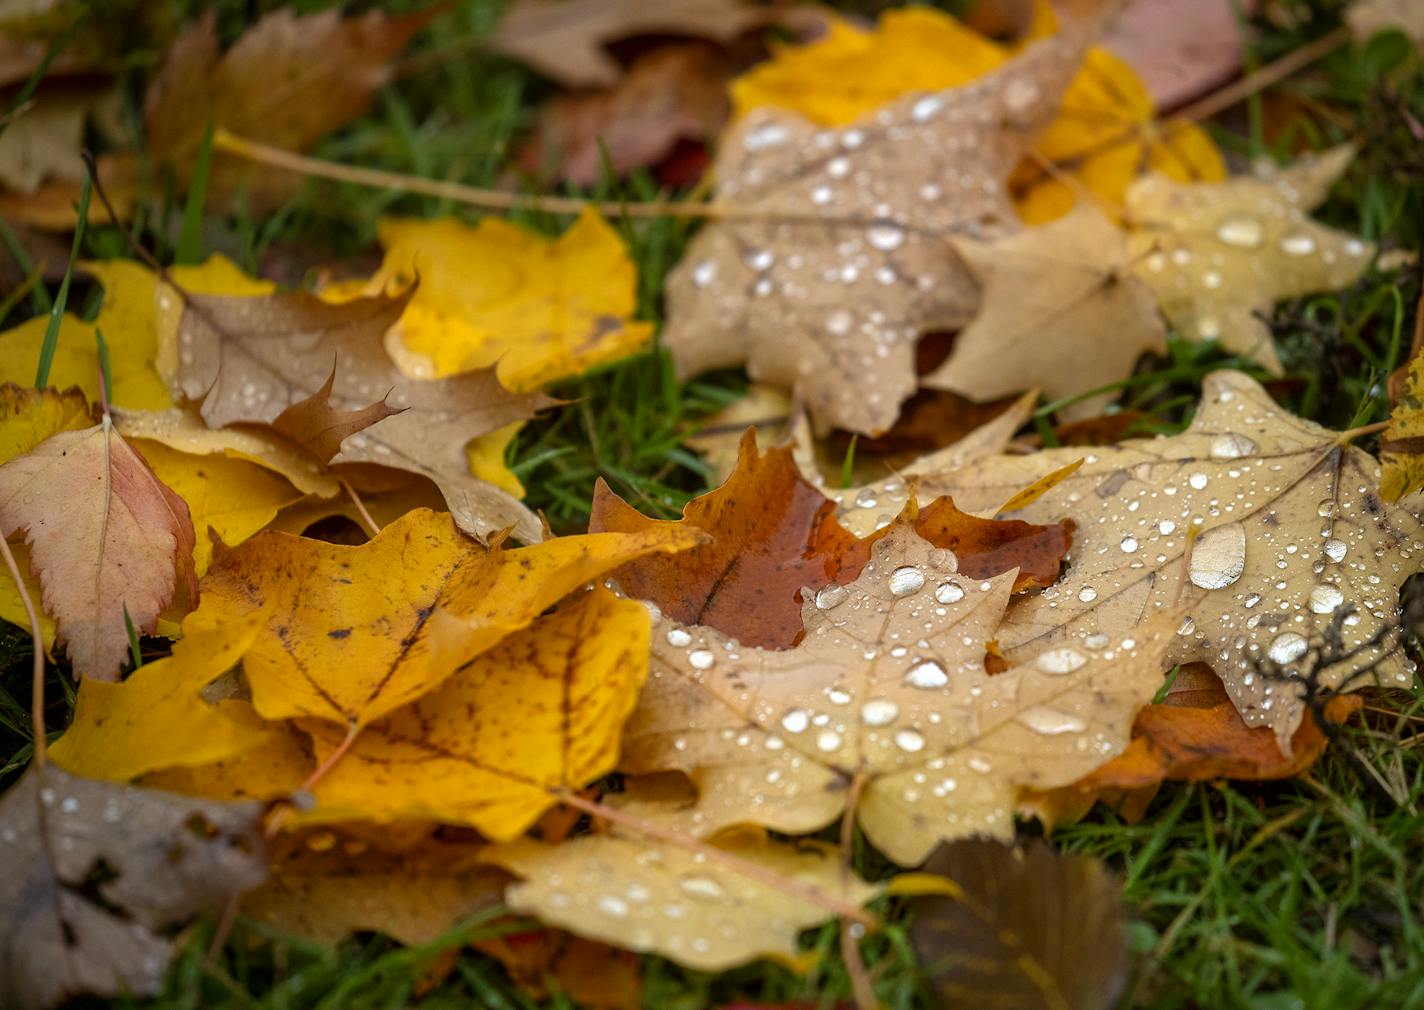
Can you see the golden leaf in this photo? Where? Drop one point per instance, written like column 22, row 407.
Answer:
column 1402, row 444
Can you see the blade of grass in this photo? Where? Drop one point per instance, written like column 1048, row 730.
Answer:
column 51, row 337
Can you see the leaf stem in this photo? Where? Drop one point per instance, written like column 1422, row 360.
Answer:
column 736, row 864
column 372, row 527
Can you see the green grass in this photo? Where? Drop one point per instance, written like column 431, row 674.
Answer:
column 1302, row 895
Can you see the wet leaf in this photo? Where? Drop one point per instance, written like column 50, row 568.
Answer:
column 886, row 697
column 772, row 533
column 354, row 633
column 545, row 962
column 1026, row 929
column 249, row 359
column 853, row 259
column 1402, row 444
column 1218, row 254
column 112, row 555
column 655, row 899
column 1260, row 524
column 497, row 295
column 1061, row 312
column 96, row 875
column 1369, row 17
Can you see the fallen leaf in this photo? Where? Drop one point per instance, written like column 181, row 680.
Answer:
column 324, row 888
column 764, row 409
column 772, row 533
column 158, row 717
column 354, row 633
column 1180, row 51
column 655, row 899
column 319, row 428
column 672, row 94
column 1402, row 443
column 1061, row 312
column 497, row 295
column 287, row 81
column 886, row 699
column 1195, row 734
column 96, row 875
column 494, row 744
column 564, row 39
column 112, row 555
column 42, row 142
column 275, row 768
column 55, row 205
column 249, row 359
column 1219, row 254
column 853, row 260
column 1257, row 523
column 546, row 962
column 127, row 318
column 1024, row 929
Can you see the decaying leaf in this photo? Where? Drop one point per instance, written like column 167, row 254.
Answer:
column 288, row 81
column 1402, row 444
column 249, row 359
column 1367, row 17
column 1217, row 254
column 772, row 533
column 545, row 962
column 500, row 296
column 1061, row 312
column 354, row 633
column 96, row 874
column 112, row 555
column 661, row 900
column 886, row 698
column 565, row 39
column 1260, row 524
column 853, row 259
column 494, row 745
column 158, row 718
column 325, row 887
column 1194, row 734
column 127, row 318
column 1180, row 51
column 320, row 428
column 766, row 410
column 1026, row 929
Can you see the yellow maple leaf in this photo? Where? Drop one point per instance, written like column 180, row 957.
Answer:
column 233, row 497
column 357, row 632
column 1402, row 444
column 128, row 320
column 158, row 718
column 1103, row 138
column 540, row 712
column 497, row 294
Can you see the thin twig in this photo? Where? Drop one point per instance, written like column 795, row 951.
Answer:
column 372, row 527
column 1271, row 73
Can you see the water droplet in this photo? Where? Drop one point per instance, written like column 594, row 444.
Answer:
column 770, row 135
column 1060, row 661
column 1097, row 642
column 702, row 887
column 926, row 107
column 1287, row 647
column 1187, row 627
column 885, row 237
column 905, row 580
column 909, row 741
column 1166, row 526
column 1218, row 557
column 796, row 720
column 1324, row 599
column 828, row 740
column 948, row 592
column 927, row 674
column 866, row 499
column 1298, row 244
column 1252, row 599
column 1211, row 279
column 704, row 273
column 831, row 597
column 609, row 904
column 701, row 659
column 1020, row 94
column 1197, row 481
column 838, row 168
column 1050, row 721
column 1242, row 232
column 879, row 712
column 1335, row 550
column 1087, row 594
column 678, row 637
column 761, row 259
column 1128, row 545
column 839, row 323
column 839, row 696
column 1232, row 446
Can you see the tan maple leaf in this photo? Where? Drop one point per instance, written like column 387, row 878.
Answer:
column 107, row 539
column 1261, row 524
column 1061, row 312
column 1217, row 254
column 852, row 261
column 249, row 359
column 885, row 699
